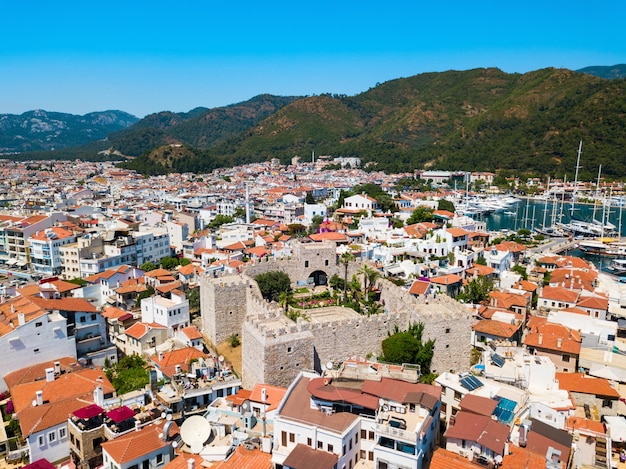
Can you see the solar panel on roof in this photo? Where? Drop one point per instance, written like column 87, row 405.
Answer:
column 497, row 360
column 471, row 382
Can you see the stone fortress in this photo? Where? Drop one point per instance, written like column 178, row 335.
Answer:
column 275, row 348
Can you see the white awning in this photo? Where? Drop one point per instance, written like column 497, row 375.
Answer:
column 12, row 261
column 616, row 427
column 20, row 263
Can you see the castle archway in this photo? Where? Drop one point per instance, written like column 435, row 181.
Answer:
column 319, row 278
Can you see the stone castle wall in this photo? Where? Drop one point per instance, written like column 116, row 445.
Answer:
column 445, row 320
column 223, row 305
column 275, row 349
column 306, row 259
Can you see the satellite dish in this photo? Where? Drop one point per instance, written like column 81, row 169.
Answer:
column 195, row 431
column 34, row 402
column 329, row 365
column 221, row 358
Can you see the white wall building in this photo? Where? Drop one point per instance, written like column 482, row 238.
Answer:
column 45, row 252
column 171, row 313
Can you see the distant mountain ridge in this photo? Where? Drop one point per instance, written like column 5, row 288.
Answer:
column 41, row 130
column 475, row 120
column 199, row 128
column 481, row 119
column 608, row 72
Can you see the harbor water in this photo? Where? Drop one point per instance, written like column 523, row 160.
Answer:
column 529, row 214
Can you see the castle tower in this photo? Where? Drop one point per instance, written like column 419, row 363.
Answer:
column 223, row 306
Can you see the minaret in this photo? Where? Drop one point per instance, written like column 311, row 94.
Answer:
column 247, row 205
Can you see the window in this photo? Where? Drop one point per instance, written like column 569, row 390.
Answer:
column 343, row 450
column 447, row 330
column 52, row 436
column 292, row 438
column 38, row 324
column 607, row 403
column 320, row 445
column 41, row 440
column 309, row 442
column 363, row 434
column 145, row 464
column 159, row 459
column 83, row 319
column 306, row 263
column 330, row 448
column 62, row 432
column 283, row 438
column 565, row 358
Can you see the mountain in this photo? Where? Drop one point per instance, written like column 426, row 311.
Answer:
column 42, row 130
column 476, row 120
column 612, row 72
column 199, row 128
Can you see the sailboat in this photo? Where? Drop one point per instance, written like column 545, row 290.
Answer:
column 582, row 228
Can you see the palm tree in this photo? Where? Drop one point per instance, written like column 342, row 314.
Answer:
column 370, row 276
column 345, row 259
column 284, row 298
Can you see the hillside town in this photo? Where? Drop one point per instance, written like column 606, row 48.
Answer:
column 272, row 316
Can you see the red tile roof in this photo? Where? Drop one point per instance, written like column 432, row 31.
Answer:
column 135, row 444
column 584, row 384
column 444, row 459
column 545, row 335
column 479, row 428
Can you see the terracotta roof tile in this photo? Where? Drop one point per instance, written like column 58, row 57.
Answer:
column 584, row 384
column 135, row 444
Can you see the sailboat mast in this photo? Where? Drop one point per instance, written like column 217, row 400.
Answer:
column 545, row 206
column 595, row 199
column 580, row 149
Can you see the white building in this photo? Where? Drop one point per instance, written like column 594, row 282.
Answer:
column 150, row 449
column 45, row 252
column 391, row 422
column 172, row 313
column 32, row 337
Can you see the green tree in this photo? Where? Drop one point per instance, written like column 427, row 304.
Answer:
column 345, row 259
column 234, row 340
column 316, row 221
column 169, row 263
column 446, row 205
column 336, row 282
column 521, row 270
column 284, row 298
column 193, row 296
column 420, row 214
column 481, row 261
column 144, row 294
column 396, row 223
column 184, row 261
column 370, row 275
column 476, row 291
column 239, row 213
column 296, row 229
column 272, row 284
column 309, row 199
column 148, row 266
column 129, row 374
column 220, row 220
column 408, row 347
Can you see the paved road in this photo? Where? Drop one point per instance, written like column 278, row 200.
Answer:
column 555, row 244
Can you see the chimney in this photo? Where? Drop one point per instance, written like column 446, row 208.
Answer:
column 160, row 356
column 57, row 368
column 98, row 396
column 137, row 425
column 39, row 397
column 540, row 341
column 559, row 342
column 21, row 319
column 191, row 464
column 49, row 375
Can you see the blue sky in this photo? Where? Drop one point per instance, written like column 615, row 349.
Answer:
column 148, row 56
